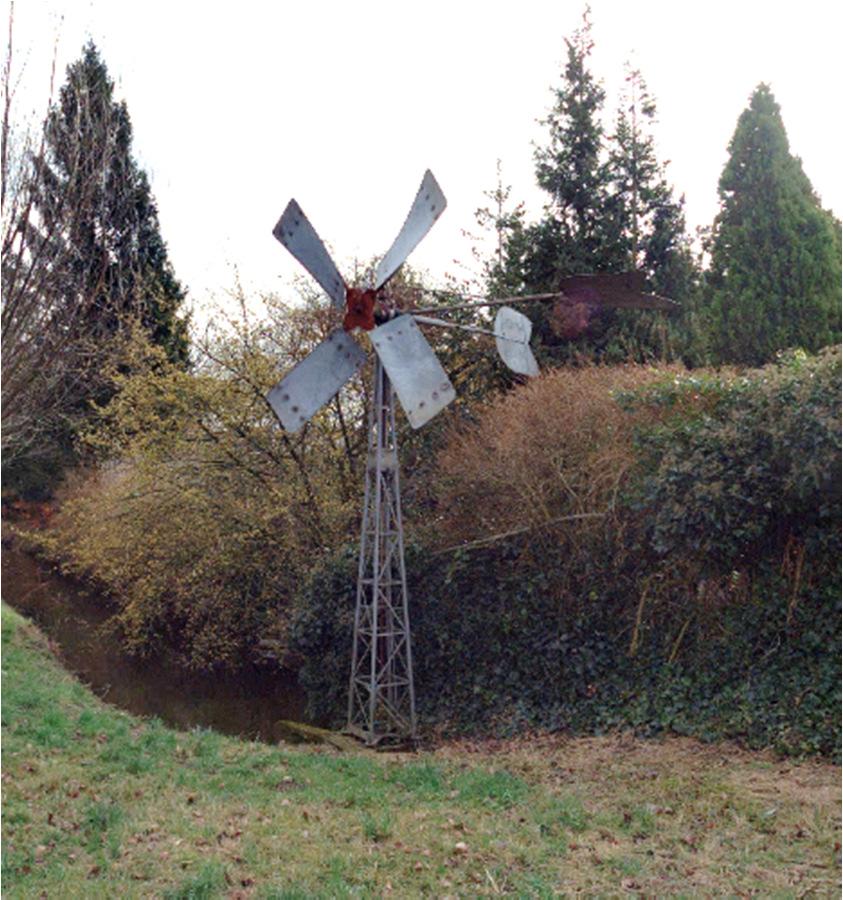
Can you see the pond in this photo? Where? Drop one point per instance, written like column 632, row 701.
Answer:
column 249, row 703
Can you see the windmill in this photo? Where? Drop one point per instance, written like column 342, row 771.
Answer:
column 381, row 699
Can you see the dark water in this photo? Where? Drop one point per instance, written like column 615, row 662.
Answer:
column 247, row 704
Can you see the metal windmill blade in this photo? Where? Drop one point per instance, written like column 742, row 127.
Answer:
column 381, row 693
column 310, row 384
column 421, row 383
column 327, row 368
column 296, row 233
column 429, row 204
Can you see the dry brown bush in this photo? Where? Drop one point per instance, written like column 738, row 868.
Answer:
column 558, row 447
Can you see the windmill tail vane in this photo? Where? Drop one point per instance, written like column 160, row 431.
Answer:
column 381, row 704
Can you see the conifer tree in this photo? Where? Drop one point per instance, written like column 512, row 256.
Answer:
column 571, row 168
column 649, row 227
column 503, row 269
column 94, row 201
column 650, row 222
column 774, row 279
column 570, row 236
column 575, row 234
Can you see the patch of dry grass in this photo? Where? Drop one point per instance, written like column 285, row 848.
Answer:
column 680, row 817
column 99, row 804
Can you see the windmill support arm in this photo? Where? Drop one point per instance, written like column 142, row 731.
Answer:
column 479, row 304
column 427, row 320
column 622, row 299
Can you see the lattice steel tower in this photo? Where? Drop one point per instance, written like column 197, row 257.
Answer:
column 381, row 699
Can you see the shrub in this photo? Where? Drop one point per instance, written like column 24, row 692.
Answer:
column 757, row 470
column 200, row 515
column 559, row 445
column 203, row 515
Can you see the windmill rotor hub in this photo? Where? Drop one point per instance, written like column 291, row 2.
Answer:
column 359, row 309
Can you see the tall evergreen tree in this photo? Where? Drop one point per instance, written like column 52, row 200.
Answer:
column 650, row 222
column 774, row 279
column 503, row 270
column 95, row 201
column 571, row 168
column 649, row 227
column 575, row 234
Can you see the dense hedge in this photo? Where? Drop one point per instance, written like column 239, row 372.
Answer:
column 709, row 604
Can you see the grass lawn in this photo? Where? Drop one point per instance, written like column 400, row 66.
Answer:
column 97, row 803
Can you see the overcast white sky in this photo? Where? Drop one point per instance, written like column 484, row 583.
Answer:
column 239, row 106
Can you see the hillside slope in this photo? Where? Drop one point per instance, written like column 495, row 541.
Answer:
column 98, row 803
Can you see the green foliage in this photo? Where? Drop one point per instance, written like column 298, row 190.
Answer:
column 423, row 780
column 35, row 476
column 501, row 790
column 691, row 609
column 558, row 815
column 377, row 828
column 84, row 263
column 520, row 817
column 575, row 235
column 758, row 468
column 649, row 221
column 321, row 630
column 204, row 514
column 774, row 281
column 101, row 820
column 651, row 235
column 209, row 881
column 571, row 168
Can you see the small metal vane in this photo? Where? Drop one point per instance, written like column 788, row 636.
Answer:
column 381, row 702
column 512, row 338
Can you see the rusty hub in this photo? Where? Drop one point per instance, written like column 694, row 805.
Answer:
column 359, row 309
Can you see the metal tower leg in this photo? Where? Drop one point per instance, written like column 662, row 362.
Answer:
column 381, row 700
